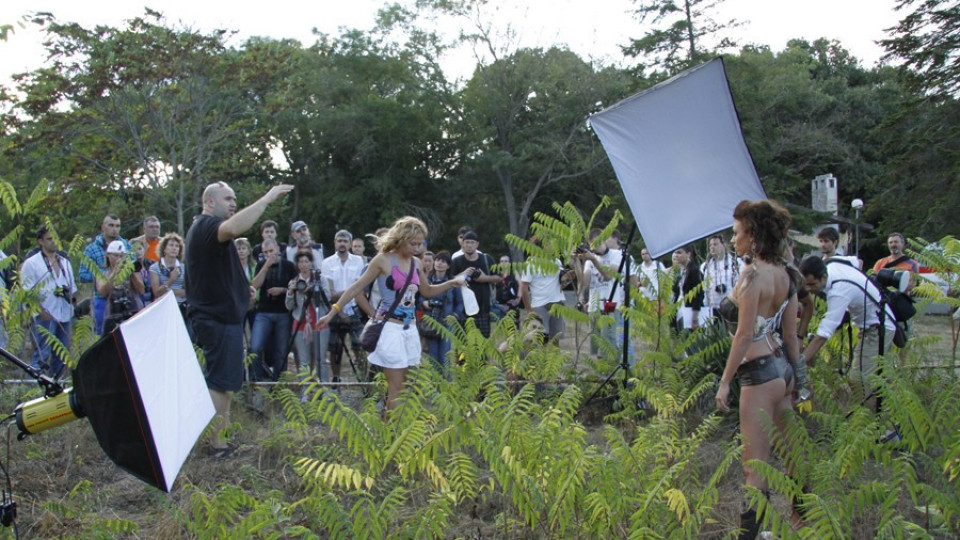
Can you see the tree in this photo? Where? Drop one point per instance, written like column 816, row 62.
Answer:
column 675, row 41
column 148, row 110
column 360, row 124
column 811, row 109
column 525, row 125
column 928, row 41
column 921, row 186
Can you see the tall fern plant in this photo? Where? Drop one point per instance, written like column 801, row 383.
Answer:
column 19, row 305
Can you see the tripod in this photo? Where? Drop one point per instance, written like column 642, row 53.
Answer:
column 623, row 270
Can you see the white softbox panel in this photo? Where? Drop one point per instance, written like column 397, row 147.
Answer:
column 174, row 394
column 679, row 155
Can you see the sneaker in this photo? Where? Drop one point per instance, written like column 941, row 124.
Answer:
column 336, row 380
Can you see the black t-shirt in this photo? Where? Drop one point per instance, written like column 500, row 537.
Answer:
column 692, row 279
column 215, row 282
column 481, row 290
column 279, row 275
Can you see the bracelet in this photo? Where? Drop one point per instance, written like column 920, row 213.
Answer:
column 337, row 307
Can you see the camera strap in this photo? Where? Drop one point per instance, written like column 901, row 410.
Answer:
column 895, row 262
column 63, row 271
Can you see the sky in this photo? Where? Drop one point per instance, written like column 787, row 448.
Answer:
column 594, row 29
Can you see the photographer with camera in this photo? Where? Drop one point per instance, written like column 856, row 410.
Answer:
column 307, row 300
column 597, row 264
column 720, row 272
column 50, row 276
column 121, row 286
column 540, row 290
column 341, row 270
column 271, row 324
column 848, row 289
column 897, row 260
column 441, row 306
column 479, row 264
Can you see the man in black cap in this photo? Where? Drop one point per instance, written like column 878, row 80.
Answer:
column 480, row 280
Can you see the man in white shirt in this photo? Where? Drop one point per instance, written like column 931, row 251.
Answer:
column 720, row 272
column 49, row 275
column 600, row 267
column 849, row 290
column 650, row 271
column 540, row 290
column 340, row 270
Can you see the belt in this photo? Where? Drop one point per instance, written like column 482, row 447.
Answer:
column 397, row 321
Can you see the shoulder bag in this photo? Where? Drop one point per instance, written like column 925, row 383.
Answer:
column 374, row 327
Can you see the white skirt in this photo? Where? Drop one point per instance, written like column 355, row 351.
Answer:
column 398, row 348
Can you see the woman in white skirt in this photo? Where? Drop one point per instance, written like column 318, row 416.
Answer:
column 399, row 345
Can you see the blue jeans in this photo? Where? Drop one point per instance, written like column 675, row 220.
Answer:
column 613, row 334
column 44, row 357
column 311, row 353
column 99, row 310
column 268, row 340
column 438, row 348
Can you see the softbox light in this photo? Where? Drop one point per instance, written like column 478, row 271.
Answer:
column 678, row 152
column 143, row 391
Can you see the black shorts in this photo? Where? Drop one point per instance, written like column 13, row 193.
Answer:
column 765, row 369
column 222, row 346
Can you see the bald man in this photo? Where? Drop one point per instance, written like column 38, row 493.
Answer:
column 219, row 294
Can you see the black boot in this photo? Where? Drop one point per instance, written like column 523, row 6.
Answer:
column 749, row 525
column 750, row 521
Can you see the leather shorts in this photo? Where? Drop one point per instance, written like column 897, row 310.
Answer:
column 765, row 369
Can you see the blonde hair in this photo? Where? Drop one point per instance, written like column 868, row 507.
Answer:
column 402, row 231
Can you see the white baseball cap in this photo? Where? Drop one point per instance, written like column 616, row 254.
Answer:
column 116, row 247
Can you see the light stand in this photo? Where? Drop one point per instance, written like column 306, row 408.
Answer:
column 623, row 270
column 55, row 408
column 857, row 205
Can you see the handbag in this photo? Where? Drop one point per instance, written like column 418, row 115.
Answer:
column 370, row 334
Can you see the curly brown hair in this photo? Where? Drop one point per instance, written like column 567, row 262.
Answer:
column 167, row 238
column 767, row 223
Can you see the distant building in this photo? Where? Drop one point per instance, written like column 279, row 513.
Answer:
column 824, row 193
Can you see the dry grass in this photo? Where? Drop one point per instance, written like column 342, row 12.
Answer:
column 62, row 481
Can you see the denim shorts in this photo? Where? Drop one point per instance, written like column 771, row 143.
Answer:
column 765, row 369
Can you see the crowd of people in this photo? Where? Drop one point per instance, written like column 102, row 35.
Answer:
column 272, row 299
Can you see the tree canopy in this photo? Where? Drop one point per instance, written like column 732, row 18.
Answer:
column 136, row 119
